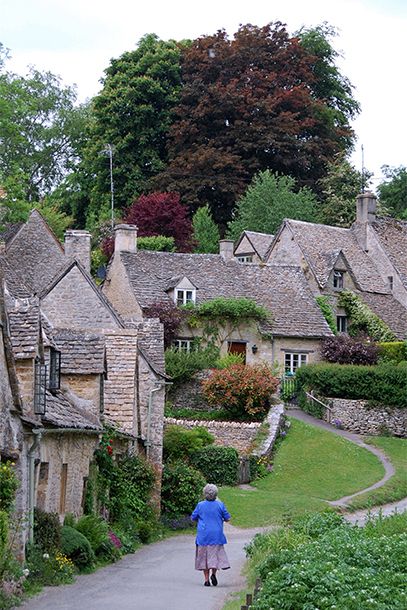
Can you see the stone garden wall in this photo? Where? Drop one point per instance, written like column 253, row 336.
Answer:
column 357, row 416
column 188, row 395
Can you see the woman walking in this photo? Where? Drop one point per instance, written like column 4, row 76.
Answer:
column 210, row 555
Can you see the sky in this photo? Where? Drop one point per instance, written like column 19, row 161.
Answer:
column 77, row 38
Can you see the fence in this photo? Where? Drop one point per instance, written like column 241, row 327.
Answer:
column 288, row 387
column 250, row 597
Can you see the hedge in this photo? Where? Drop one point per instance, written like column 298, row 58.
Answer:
column 219, row 465
column 383, row 384
column 393, row 351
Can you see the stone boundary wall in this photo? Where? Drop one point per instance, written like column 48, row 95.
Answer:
column 357, row 416
column 239, row 435
column 188, row 395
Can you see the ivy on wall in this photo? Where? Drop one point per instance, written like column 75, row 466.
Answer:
column 362, row 319
column 327, row 311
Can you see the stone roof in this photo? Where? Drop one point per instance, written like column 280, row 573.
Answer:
column 81, row 353
column 14, row 284
column 283, row 290
column 390, row 310
column 63, row 411
column 9, row 231
column 321, row 244
column 392, row 235
column 24, row 322
column 260, row 241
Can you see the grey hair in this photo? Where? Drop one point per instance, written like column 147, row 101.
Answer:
column 210, row 491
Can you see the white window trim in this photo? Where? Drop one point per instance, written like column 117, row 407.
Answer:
column 245, row 258
column 338, row 279
column 185, row 296
column 342, row 324
column 183, row 345
column 301, row 357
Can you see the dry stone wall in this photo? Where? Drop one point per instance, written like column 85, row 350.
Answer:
column 357, row 416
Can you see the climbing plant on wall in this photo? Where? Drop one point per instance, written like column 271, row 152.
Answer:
column 327, row 311
column 362, row 319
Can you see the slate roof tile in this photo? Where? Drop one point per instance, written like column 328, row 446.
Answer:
column 392, row 234
column 64, row 413
column 82, row 353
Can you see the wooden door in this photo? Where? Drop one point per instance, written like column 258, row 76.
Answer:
column 238, row 347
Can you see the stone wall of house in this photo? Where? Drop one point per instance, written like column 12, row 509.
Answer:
column 84, row 386
column 62, row 471
column 25, row 374
column 357, row 416
column 116, row 288
column 227, row 434
column 73, row 301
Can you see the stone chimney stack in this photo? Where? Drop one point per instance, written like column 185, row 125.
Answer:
column 125, row 238
column 226, row 248
column 77, row 245
column 366, row 207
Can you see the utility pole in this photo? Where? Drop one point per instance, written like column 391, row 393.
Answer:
column 363, row 169
column 110, row 153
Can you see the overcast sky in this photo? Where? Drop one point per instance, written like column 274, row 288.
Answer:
column 77, row 38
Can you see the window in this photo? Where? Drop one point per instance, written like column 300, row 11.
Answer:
column 183, row 345
column 390, row 280
column 338, row 280
column 40, row 381
column 183, row 297
column 54, row 369
column 293, row 361
column 247, row 258
column 341, row 324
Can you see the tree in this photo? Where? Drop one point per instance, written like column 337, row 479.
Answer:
column 206, row 232
column 268, row 200
column 39, row 131
column 393, row 191
column 256, row 102
column 161, row 214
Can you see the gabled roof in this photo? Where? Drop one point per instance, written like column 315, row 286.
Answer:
column 81, row 353
column 390, row 310
column 320, row 244
column 14, row 284
column 64, row 411
column 260, row 242
column 392, row 235
column 283, row 290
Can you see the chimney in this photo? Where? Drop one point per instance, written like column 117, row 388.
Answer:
column 77, row 246
column 125, row 238
column 366, row 207
column 226, row 249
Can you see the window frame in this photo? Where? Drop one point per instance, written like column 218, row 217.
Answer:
column 302, row 359
column 245, row 258
column 341, row 324
column 54, row 379
column 338, row 279
column 177, row 345
column 184, row 300
column 40, row 386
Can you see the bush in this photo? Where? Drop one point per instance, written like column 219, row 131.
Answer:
column 218, row 465
column 244, row 391
column 8, row 486
column 75, row 546
column 229, row 360
column 95, row 529
column 382, row 384
column 181, row 489
column 130, row 488
column 346, row 350
column 49, row 569
column 4, row 530
column 179, row 443
column 47, row 530
column 181, row 366
column 393, row 351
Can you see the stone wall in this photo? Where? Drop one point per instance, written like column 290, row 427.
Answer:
column 189, row 394
column 356, row 416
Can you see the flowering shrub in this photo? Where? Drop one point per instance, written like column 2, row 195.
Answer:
column 244, row 391
column 346, row 350
column 8, row 486
column 49, row 568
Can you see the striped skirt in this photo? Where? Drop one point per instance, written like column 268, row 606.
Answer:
column 211, row 557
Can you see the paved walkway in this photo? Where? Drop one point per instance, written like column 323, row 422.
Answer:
column 159, row 576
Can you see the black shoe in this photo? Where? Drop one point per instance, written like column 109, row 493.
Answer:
column 207, row 583
column 214, row 580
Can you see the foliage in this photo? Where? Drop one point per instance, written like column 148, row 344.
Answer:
column 196, row 414
column 130, row 488
column 346, row 350
column 95, row 529
column 49, row 569
column 228, row 360
column 4, row 531
column 244, row 391
column 268, row 200
column 8, row 486
column 381, row 384
column 47, row 530
column 393, row 351
column 233, row 120
column 179, row 443
column 206, row 232
column 362, row 319
column 170, row 316
column 158, row 243
column 75, row 546
column 181, row 366
column 340, row 566
column 327, row 311
column 218, row 465
column 393, row 191
column 181, row 489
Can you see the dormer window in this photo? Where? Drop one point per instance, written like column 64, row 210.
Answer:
column 246, row 258
column 54, row 369
column 184, row 297
column 338, row 280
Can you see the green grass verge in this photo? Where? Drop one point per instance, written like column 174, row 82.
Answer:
column 396, row 487
column 310, row 467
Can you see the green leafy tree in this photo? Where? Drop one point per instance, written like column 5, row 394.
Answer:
column 268, row 200
column 393, row 191
column 206, row 232
column 159, row 243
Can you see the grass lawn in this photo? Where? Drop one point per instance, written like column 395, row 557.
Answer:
column 396, row 488
column 310, row 466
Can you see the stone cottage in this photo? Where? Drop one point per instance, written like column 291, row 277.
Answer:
column 137, row 279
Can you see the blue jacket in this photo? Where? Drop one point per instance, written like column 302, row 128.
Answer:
column 210, row 516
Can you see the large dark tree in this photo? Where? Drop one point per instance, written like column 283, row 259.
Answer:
column 262, row 100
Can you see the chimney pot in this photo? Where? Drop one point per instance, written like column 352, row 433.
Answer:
column 366, row 207
column 77, row 246
column 125, row 238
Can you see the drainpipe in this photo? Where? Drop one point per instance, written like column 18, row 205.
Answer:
column 160, row 385
column 31, row 483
